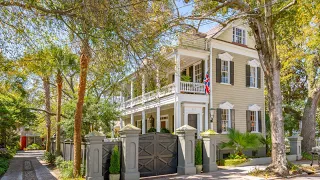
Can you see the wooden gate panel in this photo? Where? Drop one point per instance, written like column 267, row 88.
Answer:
column 157, row 154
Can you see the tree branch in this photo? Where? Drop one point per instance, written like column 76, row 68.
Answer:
column 50, row 113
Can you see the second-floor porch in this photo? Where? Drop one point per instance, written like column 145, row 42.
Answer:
column 185, row 88
column 184, row 76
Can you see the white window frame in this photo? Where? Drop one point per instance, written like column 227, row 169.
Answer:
column 225, row 57
column 254, row 64
column 255, row 108
column 228, row 71
column 254, row 80
column 228, row 113
column 165, row 120
column 256, row 125
column 226, row 106
column 194, row 72
column 242, row 37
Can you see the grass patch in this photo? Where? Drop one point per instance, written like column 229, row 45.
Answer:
column 232, row 162
column 261, row 173
column 4, row 165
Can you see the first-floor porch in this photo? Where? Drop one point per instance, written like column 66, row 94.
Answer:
column 160, row 117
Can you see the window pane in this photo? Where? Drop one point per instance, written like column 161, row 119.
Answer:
column 224, row 71
column 239, row 35
column 224, row 120
column 253, row 78
column 253, row 120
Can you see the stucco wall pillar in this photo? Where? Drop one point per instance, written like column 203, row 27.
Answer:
column 186, row 150
column 130, row 147
column 209, row 151
column 94, row 156
column 295, row 145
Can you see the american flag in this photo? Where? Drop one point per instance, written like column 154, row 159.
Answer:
column 207, row 83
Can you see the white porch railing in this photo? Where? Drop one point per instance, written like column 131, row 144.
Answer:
column 191, row 87
column 186, row 87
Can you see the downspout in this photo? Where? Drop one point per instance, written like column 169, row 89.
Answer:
column 211, row 82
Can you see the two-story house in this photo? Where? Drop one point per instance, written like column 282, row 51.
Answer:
column 236, row 98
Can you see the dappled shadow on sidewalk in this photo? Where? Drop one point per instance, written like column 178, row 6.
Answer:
column 25, row 166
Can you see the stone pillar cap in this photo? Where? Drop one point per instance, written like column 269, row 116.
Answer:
column 295, row 137
column 208, row 132
column 94, row 134
column 186, row 128
column 129, row 128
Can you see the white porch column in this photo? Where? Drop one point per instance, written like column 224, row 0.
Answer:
column 158, row 119
column 177, row 72
column 205, row 67
column 185, row 118
column 200, row 124
column 132, row 119
column 131, row 92
column 206, row 117
column 178, row 114
column 112, row 130
column 121, row 123
column 143, row 121
column 211, row 82
column 143, row 85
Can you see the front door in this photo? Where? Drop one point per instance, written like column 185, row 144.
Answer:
column 192, row 120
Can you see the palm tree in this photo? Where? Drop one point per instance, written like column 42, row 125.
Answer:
column 241, row 141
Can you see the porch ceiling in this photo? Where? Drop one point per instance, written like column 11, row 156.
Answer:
column 186, row 61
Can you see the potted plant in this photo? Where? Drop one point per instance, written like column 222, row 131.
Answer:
column 114, row 168
column 198, row 157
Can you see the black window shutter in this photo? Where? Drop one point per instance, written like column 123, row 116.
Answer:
column 259, row 121
column 248, row 121
column 233, row 118
column 203, row 68
column 218, row 70
column 231, row 72
column 259, row 76
column 173, row 75
column 191, row 73
column 247, row 75
column 219, row 125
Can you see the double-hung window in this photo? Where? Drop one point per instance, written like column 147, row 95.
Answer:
column 239, row 35
column 225, row 120
column 198, row 73
column 253, row 76
column 254, row 121
column 225, row 71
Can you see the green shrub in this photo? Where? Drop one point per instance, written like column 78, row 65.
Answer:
column 306, row 156
column 152, row 130
column 59, row 160
column 115, row 161
column 164, row 130
column 233, row 162
column 4, row 165
column 236, row 156
column 5, row 153
column 66, row 169
column 49, row 157
column 241, row 141
column 198, row 153
column 33, row 147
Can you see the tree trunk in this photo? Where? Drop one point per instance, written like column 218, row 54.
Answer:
column 84, row 62
column 263, row 31
column 308, row 130
column 59, row 95
column 46, row 87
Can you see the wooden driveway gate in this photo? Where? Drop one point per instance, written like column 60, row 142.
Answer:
column 158, row 154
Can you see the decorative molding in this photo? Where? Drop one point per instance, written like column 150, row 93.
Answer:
column 225, row 56
column 254, row 107
column 226, row 105
column 254, row 63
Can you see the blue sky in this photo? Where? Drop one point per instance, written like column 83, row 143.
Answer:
column 186, row 9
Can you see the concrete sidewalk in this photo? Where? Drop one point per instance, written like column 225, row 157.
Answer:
column 239, row 173
column 26, row 166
